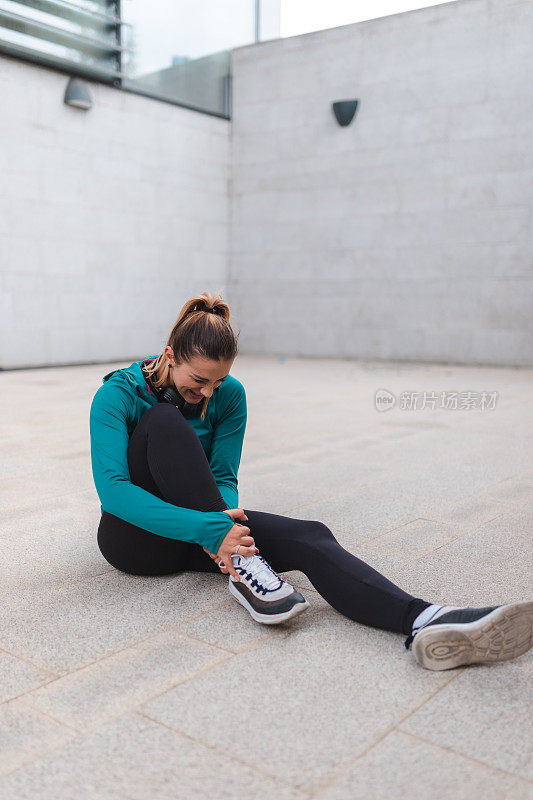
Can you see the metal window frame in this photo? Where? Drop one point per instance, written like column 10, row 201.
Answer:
column 110, row 76
column 109, row 51
column 73, row 12
column 44, row 31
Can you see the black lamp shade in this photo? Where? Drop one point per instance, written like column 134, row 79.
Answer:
column 344, row 111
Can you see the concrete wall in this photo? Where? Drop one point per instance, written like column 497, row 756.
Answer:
column 408, row 234
column 109, row 219
column 405, row 235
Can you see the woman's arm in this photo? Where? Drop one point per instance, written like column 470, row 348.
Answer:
column 122, row 498
column 226, row 443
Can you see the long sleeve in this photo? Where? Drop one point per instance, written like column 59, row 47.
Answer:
column 122, row 498
column 226, row 445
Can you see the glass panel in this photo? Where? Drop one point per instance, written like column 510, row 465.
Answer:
column 178, row 49
column 82, row 34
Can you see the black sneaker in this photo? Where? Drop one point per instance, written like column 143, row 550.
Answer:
column 267, row 597
column 474, row 635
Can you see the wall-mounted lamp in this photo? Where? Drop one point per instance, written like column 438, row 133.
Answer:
column 78, row 95
column 344, row 111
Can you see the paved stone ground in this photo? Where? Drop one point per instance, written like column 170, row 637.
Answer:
column 113, row 686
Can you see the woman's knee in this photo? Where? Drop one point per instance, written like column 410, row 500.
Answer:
column 318, row 532
column 165, row 420
column 306, row 544
column 156, row 424
column 162, row 413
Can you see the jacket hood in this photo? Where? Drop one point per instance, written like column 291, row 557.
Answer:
column 132, row 377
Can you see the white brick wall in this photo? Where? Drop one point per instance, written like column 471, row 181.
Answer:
column 109, row 219
column 408, row 234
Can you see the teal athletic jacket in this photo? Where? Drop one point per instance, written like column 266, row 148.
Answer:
column 116, row 409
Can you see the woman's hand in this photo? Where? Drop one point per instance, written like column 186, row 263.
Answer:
column 238, row 536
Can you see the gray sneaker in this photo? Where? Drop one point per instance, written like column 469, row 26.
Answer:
column 473, row 636
column 267, row 597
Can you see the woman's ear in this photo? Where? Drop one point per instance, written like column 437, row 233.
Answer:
column 169, row 354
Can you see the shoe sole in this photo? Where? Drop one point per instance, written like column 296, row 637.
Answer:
column 268, row 619
column 505, row 633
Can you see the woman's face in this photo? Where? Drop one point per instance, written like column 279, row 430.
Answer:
column 197, row 378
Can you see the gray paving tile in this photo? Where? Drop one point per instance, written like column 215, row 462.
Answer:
column 444, row 479
column 87, row 697
column 517, row 491
column 293, row 486
column 523, row 519
column 22, row 575
column 135, row 758
column 36, row 565
column 26, row 734
column 453, row 580
column 311, row 689
column 53, row 482
column 414, row 539
column 485, row 713
column 86, row 621
column 229, row 627
column 362, row 513
column 66, row 514
column 504, row 540
column 232, row 628
column 17, row 677
column 464, row 513
column 401, row 766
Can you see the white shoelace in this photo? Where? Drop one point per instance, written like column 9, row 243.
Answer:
column 262, row 572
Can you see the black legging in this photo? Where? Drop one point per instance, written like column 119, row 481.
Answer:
column 166, row 458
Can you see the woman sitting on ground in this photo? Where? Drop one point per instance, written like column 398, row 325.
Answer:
column 166, row 442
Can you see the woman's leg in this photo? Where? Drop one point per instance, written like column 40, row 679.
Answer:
column 348, row 584
column 165, row 457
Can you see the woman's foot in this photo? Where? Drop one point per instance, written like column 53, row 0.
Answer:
column 269, row 599
column 473, row 635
